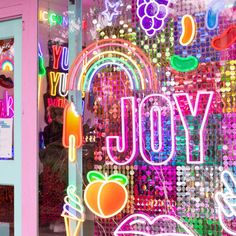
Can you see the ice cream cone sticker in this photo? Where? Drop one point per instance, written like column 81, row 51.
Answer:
column 73, row 212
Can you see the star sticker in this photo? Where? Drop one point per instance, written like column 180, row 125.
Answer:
column 111, row 10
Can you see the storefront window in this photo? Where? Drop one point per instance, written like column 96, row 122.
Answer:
column 136, row 117
column 53, row 59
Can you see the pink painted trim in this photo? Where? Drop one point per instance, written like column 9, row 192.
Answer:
column 28, row 10
column 30, row 117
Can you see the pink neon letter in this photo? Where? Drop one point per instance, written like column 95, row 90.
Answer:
column 151, row 126
column 125, row 146
column 186, row 109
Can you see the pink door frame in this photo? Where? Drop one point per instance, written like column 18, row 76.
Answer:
column 28, row 11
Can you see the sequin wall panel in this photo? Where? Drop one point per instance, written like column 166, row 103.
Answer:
column 191, row 47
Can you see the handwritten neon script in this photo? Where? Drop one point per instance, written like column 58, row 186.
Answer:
column 161, row 120
column 7, row 106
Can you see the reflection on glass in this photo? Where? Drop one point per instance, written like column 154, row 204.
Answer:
column 6, row 98
column 52, row 98
column 6, row 210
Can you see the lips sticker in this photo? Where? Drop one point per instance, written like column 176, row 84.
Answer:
column 162, row 225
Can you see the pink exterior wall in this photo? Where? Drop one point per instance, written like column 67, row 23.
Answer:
column 27, row 9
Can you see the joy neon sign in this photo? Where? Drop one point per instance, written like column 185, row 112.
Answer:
column 162, row 107
column 7, row 106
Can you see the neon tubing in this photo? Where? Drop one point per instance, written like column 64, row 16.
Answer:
column 80, row 85
column 114, row 13
column 225, row 40
column 72, row 149
column 125, row 227
column 212, row 14
column 44, row 14
column 54, row 80
column 188, row 30
column 141, row 134
column 82, row 57
column 194, row 112
column 152, row 114
column 72, row 126
column 56, row 56
column 62, row 85
column 121, row 143
column 103, row 65
column 229, row 209
column 112, row 59
column 93, row 192
column 65, row 59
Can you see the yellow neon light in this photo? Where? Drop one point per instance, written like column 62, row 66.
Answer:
column 54, row 80
column 72, row 149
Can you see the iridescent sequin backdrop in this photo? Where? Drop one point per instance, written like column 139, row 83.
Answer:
column 178, row 189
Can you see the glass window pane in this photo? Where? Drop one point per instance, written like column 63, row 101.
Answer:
column 6, row 210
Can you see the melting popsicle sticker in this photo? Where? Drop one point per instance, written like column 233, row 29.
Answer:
column 72, row 131
column 224, row 40
column 140, row 224
column 212, row 14
column 183, row 64
column 188, row 30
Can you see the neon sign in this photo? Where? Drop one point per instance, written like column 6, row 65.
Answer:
column 60, row 57
column 7, row 106
column 141, row 224
column 152, row 15
column 58, row 82
column 156, row 125
column 226, row 200
column 72, row 131
column 73, row 211
column 111, row 10
column 189, row 30
column 53, row 18
column 106, row 196
column 182, row 98
column 212, row 14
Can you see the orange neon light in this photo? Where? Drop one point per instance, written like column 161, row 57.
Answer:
column 72, row 131
column 188, row 30
column 106, row 196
